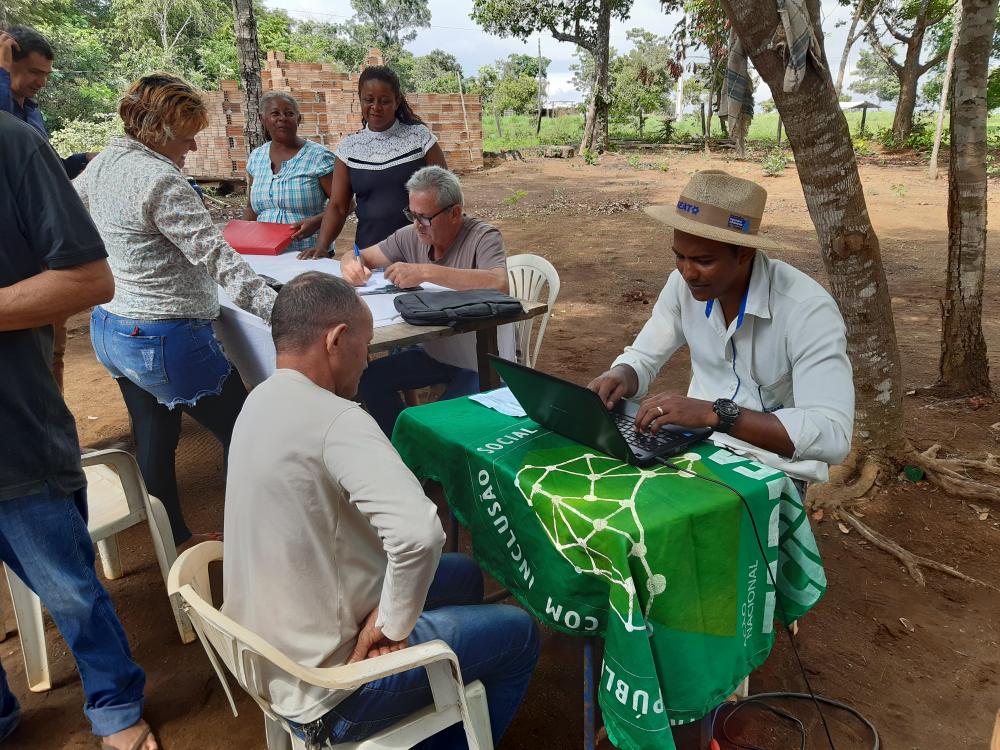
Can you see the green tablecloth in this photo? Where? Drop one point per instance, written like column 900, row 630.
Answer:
column 665, row 567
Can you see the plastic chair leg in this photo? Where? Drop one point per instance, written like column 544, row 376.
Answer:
column 28, row 612
column 166, row 554
column 277, row 737
column 111, row 561
column 479, row 713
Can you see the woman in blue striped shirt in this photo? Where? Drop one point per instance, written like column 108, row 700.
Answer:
column 289, row 177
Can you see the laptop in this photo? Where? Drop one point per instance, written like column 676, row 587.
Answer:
column 578, row 413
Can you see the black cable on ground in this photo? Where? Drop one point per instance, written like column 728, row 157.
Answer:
column 759, row 698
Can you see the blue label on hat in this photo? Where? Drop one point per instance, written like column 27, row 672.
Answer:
column 739, row 223
column 688, row 207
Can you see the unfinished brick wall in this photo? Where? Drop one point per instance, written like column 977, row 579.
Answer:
column 330, row 110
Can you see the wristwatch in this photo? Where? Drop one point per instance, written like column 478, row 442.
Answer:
column 728, row 412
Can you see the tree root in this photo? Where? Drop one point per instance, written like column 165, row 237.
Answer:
column 912, row 562
column 847, row 483
column 950, row 475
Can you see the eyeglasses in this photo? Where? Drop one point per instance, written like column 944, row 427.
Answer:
column 424, row 221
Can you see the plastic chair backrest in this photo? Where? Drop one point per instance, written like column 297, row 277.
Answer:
column 110, row 492
column 529, row 275
column 246, row 655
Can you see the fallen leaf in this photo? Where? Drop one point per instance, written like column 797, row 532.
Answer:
column 858, row 514
column 984, row 516
column 907, row 624
column 995, row 426
column 843, row 527
column 817, row 516
column 93, row 417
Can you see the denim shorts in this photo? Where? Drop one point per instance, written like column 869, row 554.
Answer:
column 177, row 360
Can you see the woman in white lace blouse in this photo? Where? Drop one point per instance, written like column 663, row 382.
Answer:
column 168, row 258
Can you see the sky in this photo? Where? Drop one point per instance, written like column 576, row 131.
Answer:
column 453, row 31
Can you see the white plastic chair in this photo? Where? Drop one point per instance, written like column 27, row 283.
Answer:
column 528, row 275
column 116, row 500
column 244, row 653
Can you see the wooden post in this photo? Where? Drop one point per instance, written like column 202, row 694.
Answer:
column 945, row 86
column 779, row 130
column 864, row 115
column 465, row 116
column 538, row 120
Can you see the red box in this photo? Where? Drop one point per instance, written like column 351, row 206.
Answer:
column 258, row 237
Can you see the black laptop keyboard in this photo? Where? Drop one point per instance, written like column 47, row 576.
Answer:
column 640, row 440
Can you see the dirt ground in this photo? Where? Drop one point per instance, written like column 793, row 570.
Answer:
column 921, row 663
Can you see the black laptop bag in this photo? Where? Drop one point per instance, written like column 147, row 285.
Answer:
column 451, row 308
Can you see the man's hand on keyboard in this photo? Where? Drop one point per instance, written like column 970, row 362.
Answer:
column 664, row 408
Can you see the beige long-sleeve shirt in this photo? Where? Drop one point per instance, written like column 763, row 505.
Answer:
column 323, row 523
column 166, row 253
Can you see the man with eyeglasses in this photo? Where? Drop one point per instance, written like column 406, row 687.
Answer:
column 441, row 246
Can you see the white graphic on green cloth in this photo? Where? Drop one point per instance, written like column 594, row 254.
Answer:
column 579, row 518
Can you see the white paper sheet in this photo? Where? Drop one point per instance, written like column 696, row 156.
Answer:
column 501, row 400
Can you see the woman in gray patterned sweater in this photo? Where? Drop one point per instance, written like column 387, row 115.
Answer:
column 168, row 258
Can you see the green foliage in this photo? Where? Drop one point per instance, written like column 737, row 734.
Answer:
column 774, row 163
column 899, row 189
column 515, row 196
column 874, row 77
column 590, row 157
column 767, row 106
column 77, row 136
column 393, row 23
column 567, row 20
column 863, row 146
column 921, row 137
column 641, row 80
column 436, row 72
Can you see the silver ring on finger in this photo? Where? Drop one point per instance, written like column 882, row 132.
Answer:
column 660, row 410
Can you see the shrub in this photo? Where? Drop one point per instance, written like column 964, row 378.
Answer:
column 77, row 136
column 774, row 163
column 591, row 157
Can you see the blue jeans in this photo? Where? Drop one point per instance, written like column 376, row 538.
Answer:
column 495, row 643
column 178, row 361
column 44, row 540
column 405, row 369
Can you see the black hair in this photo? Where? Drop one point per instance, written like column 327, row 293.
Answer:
column 30, row 41
column 307, row 306
column 387, row 75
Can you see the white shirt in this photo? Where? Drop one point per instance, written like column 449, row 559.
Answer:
column 786, row 353
column 323, row 523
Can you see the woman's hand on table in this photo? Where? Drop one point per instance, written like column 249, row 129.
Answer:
column 406, row 275
column 353, row 271
column 307, row 228
column 313, row 253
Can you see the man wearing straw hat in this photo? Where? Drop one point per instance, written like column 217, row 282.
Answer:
column 769, row 367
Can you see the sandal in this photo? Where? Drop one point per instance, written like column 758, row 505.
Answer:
column 139, row 741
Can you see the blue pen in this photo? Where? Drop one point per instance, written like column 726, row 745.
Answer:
column 357, row 252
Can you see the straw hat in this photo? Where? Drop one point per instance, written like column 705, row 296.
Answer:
column 717, row 206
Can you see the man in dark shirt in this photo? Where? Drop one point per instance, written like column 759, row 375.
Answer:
column 25, row 65
column 53, row 264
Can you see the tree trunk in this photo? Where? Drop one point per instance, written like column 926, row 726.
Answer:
column 848, row 43
column 909, row 77
column 248, row 50
column 964, row 366
column 945, row 88
column 538, row 121
column 595, row 131
column 821, row 141
column 496, row 119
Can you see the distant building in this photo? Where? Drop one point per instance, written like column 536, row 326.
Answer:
column 560, row 108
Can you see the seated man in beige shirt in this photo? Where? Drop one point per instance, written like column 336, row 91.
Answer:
column 441, row 246
column 333, row 552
